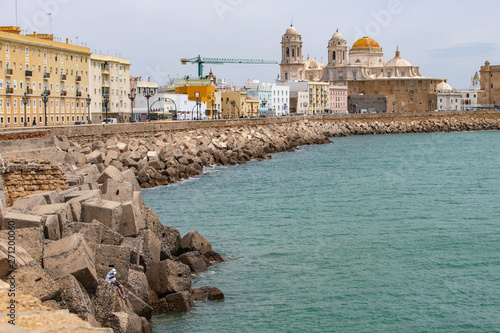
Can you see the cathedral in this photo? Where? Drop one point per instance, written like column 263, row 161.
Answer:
column 363, row 70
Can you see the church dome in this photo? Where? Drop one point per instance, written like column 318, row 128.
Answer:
column 291, row 31
column 444, row 87
column 366, row 43
column 337, row 35
column 398, row 61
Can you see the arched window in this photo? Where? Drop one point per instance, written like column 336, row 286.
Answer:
column 287, row 52
column 333, row 55
column 293, row 52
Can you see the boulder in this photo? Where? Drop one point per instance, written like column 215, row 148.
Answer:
column 82, row 195
column 30, row 202
column 31, row 239
column 105, row 300
column 178, row 302
column 152, row 244
column 110, row 237
column 138, row 284
column 90, row 173
column 22, row 219
column 193, row 241
column 21, row 257
column 122, row 322
column 194, row 260
column 94, row 158
column 107, row 212
column 140, row 307
column 211, row 256
column 33, row 280
column 206, row 294
column 131, row 219
column 91, row 232
column 71, row 255
column 52, row 228
column 110, row 172
column 168, row 276
column 115, row 190
column 129, row 176
column 118, row 256
column 74, row 297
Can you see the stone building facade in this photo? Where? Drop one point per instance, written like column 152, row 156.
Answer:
column 490, row 85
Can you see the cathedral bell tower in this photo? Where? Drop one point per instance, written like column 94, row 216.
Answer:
column 337, row 50
column 292, row 64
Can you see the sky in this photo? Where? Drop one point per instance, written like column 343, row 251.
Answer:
column 448, row 39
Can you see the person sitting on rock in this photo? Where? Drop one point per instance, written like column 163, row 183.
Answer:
column 111, row 278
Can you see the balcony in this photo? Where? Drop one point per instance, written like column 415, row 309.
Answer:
column 105, row 70
column 28, row 73
column 63, row 77
column 9, row 72
column 105, row 83
column 9, row 90
column 78, row 78
column 29, row 91
column 46, row 76
column 64, row 93
column 78, row 94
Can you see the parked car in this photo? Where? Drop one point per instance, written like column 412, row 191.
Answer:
column 80, row 123
column 109, row 121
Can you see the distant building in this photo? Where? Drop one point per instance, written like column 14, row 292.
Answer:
column 109, row 76
column 280, row 100
column 447, row 98
column 142, row 91
column 32, row 64
column 470, row 96
column 490, row 85
column 338, row 98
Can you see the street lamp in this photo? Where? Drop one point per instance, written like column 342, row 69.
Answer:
column 213, row 113
column 132, row 98
column 25, row 100
column 197, row 108
column 45, row 100
column 88, row 100
column 148, row 93
column 305, row 106
column 105, row 97
column 285, row 108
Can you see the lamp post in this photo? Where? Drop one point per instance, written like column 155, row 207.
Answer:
column 305, row 105
column 132, row 98
column 197, row 108
column 25, row 100
column 394, row 106
column 213, row 113
column 285, row 108
column 45, row 100
column 105, row 97
column 88, row 100
column 147, row 94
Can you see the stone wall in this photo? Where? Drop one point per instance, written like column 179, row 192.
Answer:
column 24, row 177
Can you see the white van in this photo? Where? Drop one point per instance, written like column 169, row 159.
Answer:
column 109, row 121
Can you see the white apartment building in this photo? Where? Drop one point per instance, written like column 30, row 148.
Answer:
column 109, row 84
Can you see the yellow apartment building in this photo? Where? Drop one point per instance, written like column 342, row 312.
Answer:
column 236, row 104
column 318, row 97
column 35, row 65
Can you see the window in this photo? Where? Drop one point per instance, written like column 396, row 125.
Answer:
column 1, row 84
column 27, row 50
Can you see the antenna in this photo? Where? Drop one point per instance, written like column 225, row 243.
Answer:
column 50, row 19
column 16, row 13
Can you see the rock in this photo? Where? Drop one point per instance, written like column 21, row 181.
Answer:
column 138, row 284
column 193, row 241
column 213, row 256
column 118, row 256
column 30, row 239
column 22, row 219
column 94, row 158
column 206, row 294
column 129, row 176
column 82, row 196
column 131, row 219
column 140, row 307
column 33, row 280
column 194, row 260
column 114, row 190
column 106, row 300
column 52, row 228
column 71, row 255
column 90, row 173
column 22, row 258
column 91, row 232
column 74, row 297
column 167, row 276
column 107, row 212
column 146, row 328
column 177, row 302
column 110, row 172
column 110, row 237
column 30, row 202
column 122, row 322
column 152, row 244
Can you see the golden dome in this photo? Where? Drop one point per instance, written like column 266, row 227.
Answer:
column 366, row 43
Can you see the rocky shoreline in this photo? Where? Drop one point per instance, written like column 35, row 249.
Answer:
column 67, row 239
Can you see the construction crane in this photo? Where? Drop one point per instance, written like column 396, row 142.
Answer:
column 200, row 61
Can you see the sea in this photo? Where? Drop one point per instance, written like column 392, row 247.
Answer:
column 380, row 233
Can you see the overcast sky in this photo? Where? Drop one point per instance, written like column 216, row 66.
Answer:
column 447, row 38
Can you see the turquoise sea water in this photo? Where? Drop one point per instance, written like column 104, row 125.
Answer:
column 388, row 233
